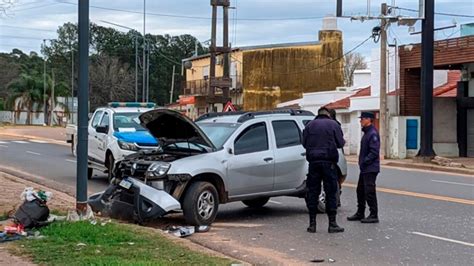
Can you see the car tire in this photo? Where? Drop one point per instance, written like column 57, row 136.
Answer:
column 110, row 166
column 90, row 172
column 200, row 203
column 256, row 203
column 73, row 147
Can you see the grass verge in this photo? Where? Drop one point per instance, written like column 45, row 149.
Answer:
column 82, row 243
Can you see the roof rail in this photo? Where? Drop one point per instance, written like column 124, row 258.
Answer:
column 218, row 114
column 251, row 115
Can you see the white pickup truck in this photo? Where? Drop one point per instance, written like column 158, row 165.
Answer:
column 113, row 133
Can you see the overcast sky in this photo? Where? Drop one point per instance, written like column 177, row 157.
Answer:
column 31, row 21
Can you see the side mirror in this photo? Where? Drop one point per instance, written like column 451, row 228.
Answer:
column 229, row 150
column 89, row 115
column 102, row 129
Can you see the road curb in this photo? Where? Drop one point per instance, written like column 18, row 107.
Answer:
column 64, row 143
column 40, row 180
column 427, row 167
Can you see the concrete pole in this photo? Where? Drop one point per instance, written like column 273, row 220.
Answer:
column 45, row 110
column 383, row 83
column 148, row 73
column 83, row 108
column 52, row 99
column 172, row 85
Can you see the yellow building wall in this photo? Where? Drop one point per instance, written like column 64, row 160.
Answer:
column 197, row 70
column 275, row 75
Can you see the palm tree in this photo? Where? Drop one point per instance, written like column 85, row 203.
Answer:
column 26, row 94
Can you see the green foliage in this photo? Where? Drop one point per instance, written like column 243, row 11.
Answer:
column 82, row 243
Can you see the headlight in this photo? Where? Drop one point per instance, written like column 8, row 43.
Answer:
column 127, row 146
column 157, row 170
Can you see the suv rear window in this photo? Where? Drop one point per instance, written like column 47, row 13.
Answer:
column 252, row 139
column 287, row 133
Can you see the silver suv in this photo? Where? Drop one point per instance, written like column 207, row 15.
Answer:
column 219, row 158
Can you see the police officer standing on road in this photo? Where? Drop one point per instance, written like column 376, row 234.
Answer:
column 321, row 139
column 369, row 164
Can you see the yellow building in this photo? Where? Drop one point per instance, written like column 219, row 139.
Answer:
column 265, row 75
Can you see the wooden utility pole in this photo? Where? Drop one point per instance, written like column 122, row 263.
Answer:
column 383, row 127
column 172, row 85
column 224, row 82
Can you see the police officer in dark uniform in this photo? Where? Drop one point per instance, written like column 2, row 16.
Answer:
column 369, row 164
column 321, row 139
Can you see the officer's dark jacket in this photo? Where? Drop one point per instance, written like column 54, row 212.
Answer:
column 321, row 139
column 369, row 156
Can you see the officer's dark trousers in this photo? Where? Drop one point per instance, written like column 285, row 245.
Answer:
column 327, row 173
column 366, row 193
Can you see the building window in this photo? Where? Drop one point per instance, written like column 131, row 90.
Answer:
column 345, row 118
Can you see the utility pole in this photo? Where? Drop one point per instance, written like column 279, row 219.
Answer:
column 383, row 130
column 426, row 152
column 45, row 110
column 136, row 68
column 172, row 85
column 52, row 98
column 144, row 51
column 72, row 85
column 83, row 97
column 148, row 73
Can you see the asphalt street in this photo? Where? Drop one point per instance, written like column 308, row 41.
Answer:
column 426, row 217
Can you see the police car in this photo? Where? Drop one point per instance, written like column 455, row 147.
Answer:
column 115, row 132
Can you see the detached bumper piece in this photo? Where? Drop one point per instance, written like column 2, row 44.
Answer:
column 134, row 200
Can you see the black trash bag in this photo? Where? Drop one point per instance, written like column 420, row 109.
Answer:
column 32, row 214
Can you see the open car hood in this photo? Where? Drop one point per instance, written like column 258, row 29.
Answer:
column 170, row 127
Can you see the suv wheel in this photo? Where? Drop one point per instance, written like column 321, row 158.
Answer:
column 200, row 204
column 256, row 203
column 90, row 171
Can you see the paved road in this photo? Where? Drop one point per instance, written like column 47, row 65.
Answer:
column 426, row 217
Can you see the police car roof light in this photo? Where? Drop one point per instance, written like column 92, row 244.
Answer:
column 131, row 104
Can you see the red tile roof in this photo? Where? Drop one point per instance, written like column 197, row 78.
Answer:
column 449, row 89
column 345, row 103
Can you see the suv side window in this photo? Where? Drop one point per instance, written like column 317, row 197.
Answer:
column 287, row 133
column 252, row 139
column 96, row 119
column 105, row 120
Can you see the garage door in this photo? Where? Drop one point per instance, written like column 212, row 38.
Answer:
column 470, row 133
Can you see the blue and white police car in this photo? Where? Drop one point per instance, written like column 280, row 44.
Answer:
column 115, row 132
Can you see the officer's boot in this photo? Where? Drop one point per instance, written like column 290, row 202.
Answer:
column 312, row 224
column 333, row 226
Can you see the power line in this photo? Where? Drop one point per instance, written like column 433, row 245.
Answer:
column 26, row 28
column 196, row 17
column 20, row 37
column 34, row 7
column 437, row 13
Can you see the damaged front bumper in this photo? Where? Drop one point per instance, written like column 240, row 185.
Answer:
column 133, row 199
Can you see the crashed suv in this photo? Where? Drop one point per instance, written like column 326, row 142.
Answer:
column 219, row 158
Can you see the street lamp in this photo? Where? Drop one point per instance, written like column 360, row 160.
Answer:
column 44, row 85
column 136, row 54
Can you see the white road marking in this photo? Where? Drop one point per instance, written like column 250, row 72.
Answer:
column 38, row 141
column 275, row 202
column 35, row 153
column 4, row 146
column 454, row 183
column 71, row 161
column 20, row 141
column 444, row 239
column 3, row 142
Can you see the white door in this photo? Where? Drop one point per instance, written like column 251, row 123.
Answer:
column 290, row 156
column 92, row 143
column 470, row 133
column 250, row 170
column 102, row 138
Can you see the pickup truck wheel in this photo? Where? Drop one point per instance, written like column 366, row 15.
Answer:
column 90, row 172
column 73, row 147
column 200, row 204
column 256, row 203
column 110, row 167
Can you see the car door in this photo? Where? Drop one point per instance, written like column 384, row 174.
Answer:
column 250, row 169
column 290, row 158
column 92, row 143
column 102, row 138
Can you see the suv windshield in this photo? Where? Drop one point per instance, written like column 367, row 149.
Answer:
column 218, row 133
column 127, row 122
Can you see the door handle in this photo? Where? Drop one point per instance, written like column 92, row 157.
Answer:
column 268, row 159
column 303, row 154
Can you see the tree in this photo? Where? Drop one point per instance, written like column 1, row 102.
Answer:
column 352, row 62
column 110, row 80
column 5, row 5
column 26, row 94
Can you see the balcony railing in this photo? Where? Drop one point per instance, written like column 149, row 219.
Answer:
column 201, row 86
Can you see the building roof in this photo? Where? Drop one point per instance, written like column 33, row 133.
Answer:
column 449, row 89
column 256, row 47
column 345, row 103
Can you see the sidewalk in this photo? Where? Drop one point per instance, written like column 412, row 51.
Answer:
column 52, row 134
column 467, row 169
